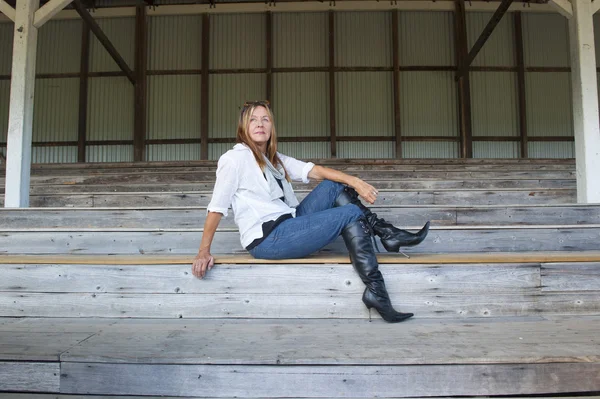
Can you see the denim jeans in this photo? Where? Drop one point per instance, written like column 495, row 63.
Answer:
column 317, row 223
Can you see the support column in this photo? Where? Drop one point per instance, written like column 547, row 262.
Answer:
column 585, row 101
column 20, row 119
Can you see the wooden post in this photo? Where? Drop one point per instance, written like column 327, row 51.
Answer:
column 269, row 40
column 396, row 80
column 585, row 101
column 83, row 91
column 464, row 85
column 204, row 98
column 20, row 117
column 521, row 83
column 141, row 51
column 332, row 126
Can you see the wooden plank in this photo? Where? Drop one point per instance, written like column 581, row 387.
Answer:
column 341, row 342
column 27, row 376
column 37, row 346
column 324, row 381
column 283, row 278
column 382, row 258
column 528, row 215
column 557, row 277
column 182, row 218
column 387, row 198
column 531, row 184
column 522, row 99
column 396, row 83
column 332, row 305
column 332, row 98
column 441, row 240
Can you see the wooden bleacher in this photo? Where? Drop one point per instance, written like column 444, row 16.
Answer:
column 97, row 296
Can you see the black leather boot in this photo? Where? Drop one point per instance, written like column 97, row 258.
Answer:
column 357, row 236
column 391, row 237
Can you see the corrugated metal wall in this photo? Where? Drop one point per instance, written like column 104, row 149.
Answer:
column 296, row 46
column 364, row 100
column 551, row 150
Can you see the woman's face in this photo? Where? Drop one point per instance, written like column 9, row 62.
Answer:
column 260, row 127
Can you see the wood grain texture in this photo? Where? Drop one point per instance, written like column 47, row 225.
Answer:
column 293, row 279
column 572, row 238
column 324, row 381
column 557, row 277
column 249, row 305
column 242, row 259
column 341, row 342
column 29, row 376
column 36, row 345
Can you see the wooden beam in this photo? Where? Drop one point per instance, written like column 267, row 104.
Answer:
column 396, row 80
column 463, row 84
column 49, row 10
column 332, row 125
column 104, row 40
column 141, row 59
column 20, row 117
column 518, row 22
column 204, row 94
column 487, row 31
column 83, row 91
column 269, row 42
column 595, row 6
column 564, row 7
column 7, row 10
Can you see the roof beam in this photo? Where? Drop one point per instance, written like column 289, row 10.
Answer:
column 487, row 31
column 7, row 10
column 595, row 6
column 564, row 7
column 104, row 40
column 49, row 10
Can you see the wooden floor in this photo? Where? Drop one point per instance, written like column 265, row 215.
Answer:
column 97, row 299
column 308, row 358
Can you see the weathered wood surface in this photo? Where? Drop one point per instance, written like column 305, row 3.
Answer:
column 36, row 345
column 55, row 396
column 408, row 197
column 293, row 279
column 194, row 217
column 439, row 240
column 431, row 184
column 191, row 177
column 324, row 381
column 558, row 277
column 29, row 376
column 342, row 342
column 247, row 259
column 334, row 305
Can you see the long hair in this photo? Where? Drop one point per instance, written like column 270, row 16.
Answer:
column 243, row 136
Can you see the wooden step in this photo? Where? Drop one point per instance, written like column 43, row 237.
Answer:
column 194, row 217
column 164, row 287
column 308, row 358
column 389, row 198
column 441, row 239
column 424, row 184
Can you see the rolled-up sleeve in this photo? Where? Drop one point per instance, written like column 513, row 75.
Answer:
column 297, row 170
column 226, row 185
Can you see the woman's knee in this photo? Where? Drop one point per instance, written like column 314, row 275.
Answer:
column 353, row 212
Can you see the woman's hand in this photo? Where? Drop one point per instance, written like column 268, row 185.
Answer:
column 365, row 190
column 202, row 263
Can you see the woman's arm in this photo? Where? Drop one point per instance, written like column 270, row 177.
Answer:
column 204, row 260
column 364, row 189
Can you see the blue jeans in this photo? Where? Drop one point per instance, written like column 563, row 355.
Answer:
column 317, row 223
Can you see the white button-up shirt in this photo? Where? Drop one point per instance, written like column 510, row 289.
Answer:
column 241, row 184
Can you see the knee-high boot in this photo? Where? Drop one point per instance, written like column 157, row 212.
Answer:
column 391, row 237
column 357, row 236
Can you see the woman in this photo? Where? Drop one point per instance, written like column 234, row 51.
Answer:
column 254, row 178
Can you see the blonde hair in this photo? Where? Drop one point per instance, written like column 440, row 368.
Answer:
column 243, row 136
